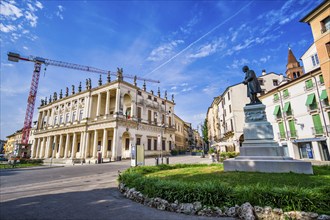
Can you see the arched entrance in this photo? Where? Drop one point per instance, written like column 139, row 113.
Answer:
column 126, row 145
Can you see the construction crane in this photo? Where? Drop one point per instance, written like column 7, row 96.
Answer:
column 38, row 61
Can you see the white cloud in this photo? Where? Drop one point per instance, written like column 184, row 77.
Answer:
column 39, row 5
column 238, row 63
column 173, row 88
column 7, row 64
column 59, row 12
column 10, row 11
column 25, row 48
column 264, row 59
column 164, row 50
column 7, row 28
column 32, row 18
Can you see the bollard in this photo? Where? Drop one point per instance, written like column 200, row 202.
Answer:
column 167, row 160
column 156, row 161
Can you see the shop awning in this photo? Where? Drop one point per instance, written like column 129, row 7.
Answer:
column 286, row 107
column 310, row 99
column 276, row 110
column 324, row 95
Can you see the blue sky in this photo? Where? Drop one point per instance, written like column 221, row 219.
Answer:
column 195, row 48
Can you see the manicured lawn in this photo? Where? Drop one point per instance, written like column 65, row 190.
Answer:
column 212, row 186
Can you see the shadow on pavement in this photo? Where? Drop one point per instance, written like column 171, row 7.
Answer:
column 106, row 203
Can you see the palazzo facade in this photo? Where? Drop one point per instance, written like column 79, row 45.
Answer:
column 104, row 122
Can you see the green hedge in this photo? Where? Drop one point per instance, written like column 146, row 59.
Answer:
column 30, row 161
column 218, row 193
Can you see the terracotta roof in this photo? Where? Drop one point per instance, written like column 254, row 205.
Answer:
column 291, row 57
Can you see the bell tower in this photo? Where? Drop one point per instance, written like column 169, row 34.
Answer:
column 293, row 68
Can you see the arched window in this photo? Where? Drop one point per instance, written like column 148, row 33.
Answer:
column 294, row 75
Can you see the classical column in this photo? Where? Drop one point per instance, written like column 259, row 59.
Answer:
column 54, row 151
column 117, row 106
column 43, row 146
column 86, row 146
column 107, row 103
column 82, row 139
column 60, row 150
column 87, row 107
column 67, row 142
column 98, row 107
column 74, row 147
column 114, row 144
column 38, row 149
column 105, row 143
column 33, row 148
column 42, row 120
column 48, row 147
column 95, row 144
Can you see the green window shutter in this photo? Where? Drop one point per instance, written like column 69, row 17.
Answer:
column 324, row 95
column 310, row 99
column 286, row 107
column 285, row 93
column 292, row 128
column 277, row 110
column 281, row 128
column 321, row 79
column 276, row 97
column 317, row 124
column 309, row 84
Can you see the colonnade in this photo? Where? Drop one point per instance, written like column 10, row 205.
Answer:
column 77, row 145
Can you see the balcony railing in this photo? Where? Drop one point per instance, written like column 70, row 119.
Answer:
column 318, row 130
column 312, row 108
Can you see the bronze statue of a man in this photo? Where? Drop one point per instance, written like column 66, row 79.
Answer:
column 253, row 86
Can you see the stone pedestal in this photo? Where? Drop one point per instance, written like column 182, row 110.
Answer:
column 259, row 152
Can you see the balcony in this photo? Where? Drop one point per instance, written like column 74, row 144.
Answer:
column 313, row 109
column 318, row 131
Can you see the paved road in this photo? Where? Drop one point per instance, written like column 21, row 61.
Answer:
column 76, row 192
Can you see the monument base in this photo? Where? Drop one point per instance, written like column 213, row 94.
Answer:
column 259, row 151
column 268, row 166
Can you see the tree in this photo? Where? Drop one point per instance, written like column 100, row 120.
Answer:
column 205, row 132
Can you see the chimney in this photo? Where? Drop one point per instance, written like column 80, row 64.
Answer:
column 263, row 72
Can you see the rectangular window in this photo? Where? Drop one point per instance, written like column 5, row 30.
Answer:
column 292, row 128
column 261, row 82
column 228, row 96
column 55, row 120
column 73, row 116
column 149, row 116
column 149, row 97
column 276, row 97
column 138, row 141
column 163, row 119
column 127, row 144
column 67, row 117
column 78, row 147
column 325, row 25
column 231, row 125
column 149, row 144
column 317, row 124
column 155, row 117
column 327, row 46
column 139, row 93
column 311, row 102
column 281, row 128
column 277, row 112
column 163, row 145
column 321, row 79
column 109, row 145
column 275, row 82
column 155, row 99
column 170, row 121
column 170, row 145
column 309, row 84
column 139, row 112
column 229, row 108
column 81, row 113
column 285, row 93
column 155, row 144
column 315, row 60
column 61, row 119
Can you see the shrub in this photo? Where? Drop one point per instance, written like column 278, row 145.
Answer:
column 174, row 152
